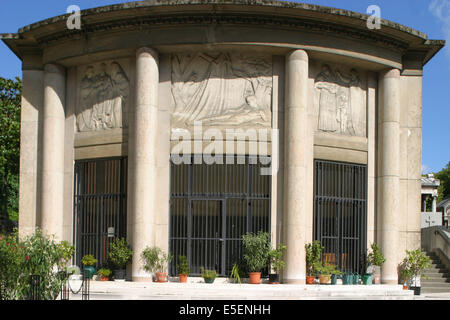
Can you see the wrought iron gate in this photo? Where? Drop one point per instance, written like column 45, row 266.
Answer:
column 340, row 213
column 99, row 206
column 211, row 207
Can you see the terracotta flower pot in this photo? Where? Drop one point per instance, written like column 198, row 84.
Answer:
column 324, row 278
column 161, row 277
column 183, row 278
column 310, row 279
column 255, row 277
column 104, row 278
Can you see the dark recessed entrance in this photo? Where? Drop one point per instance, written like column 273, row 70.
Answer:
column 211, row 207
column 340, row 213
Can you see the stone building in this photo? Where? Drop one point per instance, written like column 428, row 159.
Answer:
column 318, row 117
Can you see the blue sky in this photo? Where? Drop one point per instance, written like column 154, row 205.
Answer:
column 428, row 16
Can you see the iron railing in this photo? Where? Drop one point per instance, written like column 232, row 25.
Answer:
column 212, row 206
column 340, row 213
column 99, row 206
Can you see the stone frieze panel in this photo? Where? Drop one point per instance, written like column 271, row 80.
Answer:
column 103, row 96
column 340, row 101
column 223, row 90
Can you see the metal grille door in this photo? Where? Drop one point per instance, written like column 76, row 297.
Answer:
column 340, row 213
column 99, row 206
column 211, row 207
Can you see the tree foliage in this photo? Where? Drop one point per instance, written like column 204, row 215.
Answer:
column 444, row 177
column 10, row 100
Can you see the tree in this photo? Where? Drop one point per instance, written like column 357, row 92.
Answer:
column 444, row 177
column 10, row 101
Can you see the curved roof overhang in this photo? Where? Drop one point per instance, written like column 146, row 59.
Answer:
column 277, row 24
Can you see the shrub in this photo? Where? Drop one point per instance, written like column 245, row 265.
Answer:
column 413, row 265
column 276, row 258
column 34, row 255
column 88, row 260
column 257, row 247
column 155, row 260
column 183, row 266
column 120, row 252
column 375, row 257
column 313, row 253
column 104, row 272
column 208, row 274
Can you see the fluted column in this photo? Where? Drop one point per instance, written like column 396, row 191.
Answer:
column 53, row 120
column 298, row 157
column 142, row 155
column 389, row 175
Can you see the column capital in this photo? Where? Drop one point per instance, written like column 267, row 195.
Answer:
column 54, row 68
column 146, row 51
column 298, row 54
column 390, row 73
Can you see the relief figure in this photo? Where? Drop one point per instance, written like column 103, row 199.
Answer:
column 103, row 98
column 221, row 89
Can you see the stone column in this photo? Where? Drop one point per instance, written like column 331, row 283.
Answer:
column 53, row 151
column 389, row 175
column 142, row 158
column 433, row 205
column 297, row 159
column 31, row 109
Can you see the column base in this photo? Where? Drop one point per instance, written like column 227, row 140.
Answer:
column 294, row 281
column 391, row 282
column 142, row 279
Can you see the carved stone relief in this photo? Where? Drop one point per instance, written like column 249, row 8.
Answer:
column 221, row 90
column 341, row 102
column 103, row 97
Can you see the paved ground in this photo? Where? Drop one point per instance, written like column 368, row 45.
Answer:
column 220, row 290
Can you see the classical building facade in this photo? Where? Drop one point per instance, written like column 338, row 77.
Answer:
column 186, row 124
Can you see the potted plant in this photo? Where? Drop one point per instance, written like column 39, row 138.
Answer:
column 313, row 253
column 120, row 254
column 276, row 263
column 183, row 268
column 335, row 273
column 235, row 275
column 208, row 275
column 324, row 271
column 257, row 247
column 415, row 262
column 89, row 262
column 104, row 274
column 155, row 261
column 375, row 259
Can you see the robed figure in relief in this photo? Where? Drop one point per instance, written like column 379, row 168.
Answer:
column 103, row 98
column 221, row 89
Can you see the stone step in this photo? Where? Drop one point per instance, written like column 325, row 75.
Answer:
column 435, row 284
column 434, row 290
column 436, row 277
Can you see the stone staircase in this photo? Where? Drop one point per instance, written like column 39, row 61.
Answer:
column 437, row 277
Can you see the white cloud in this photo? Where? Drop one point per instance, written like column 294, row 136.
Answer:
column 441, row 10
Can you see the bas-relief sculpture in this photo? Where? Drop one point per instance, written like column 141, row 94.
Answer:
column 341, row 102
column 103, row 98
column 221, row 90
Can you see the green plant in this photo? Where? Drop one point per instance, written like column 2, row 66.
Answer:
column 89, row 260
column 375, row 257
column 326, row 269
column 120, row 252
column 276, row 258
column 35, row 254
column 313, row 253
column 413, row 265
column 208, row 274
column 155, row 260
column 257, row 247
column 183, row 265
column 235, row 273
column 65, row 251
column 104, row 272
